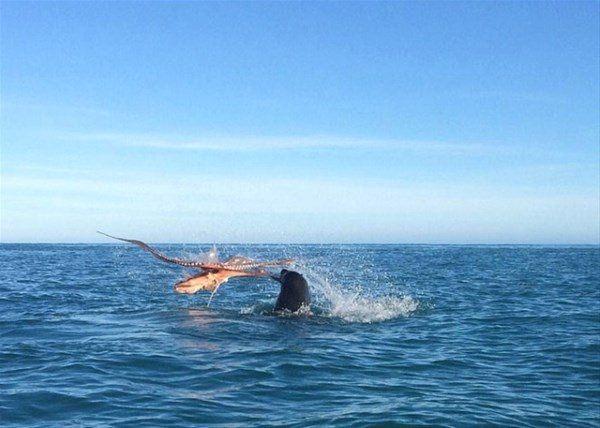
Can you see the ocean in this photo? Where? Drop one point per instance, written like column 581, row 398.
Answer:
column 438, row 335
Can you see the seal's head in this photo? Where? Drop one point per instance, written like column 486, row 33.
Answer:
column 281, row 277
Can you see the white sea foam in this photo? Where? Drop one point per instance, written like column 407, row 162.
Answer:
column 349, row 304
column 353, row 305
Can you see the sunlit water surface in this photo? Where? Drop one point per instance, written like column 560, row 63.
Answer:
column 442, row 335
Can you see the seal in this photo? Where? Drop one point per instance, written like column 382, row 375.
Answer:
column 294, row 292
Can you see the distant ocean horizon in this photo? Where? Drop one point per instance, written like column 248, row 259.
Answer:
column 498, row 244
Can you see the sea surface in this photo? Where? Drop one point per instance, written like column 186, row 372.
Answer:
column 93, row 335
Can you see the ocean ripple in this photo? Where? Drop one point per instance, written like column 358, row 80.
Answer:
column 411, row 335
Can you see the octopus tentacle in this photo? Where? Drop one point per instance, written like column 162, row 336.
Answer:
column 236, row 263
column 251, row 264
column 155, row 253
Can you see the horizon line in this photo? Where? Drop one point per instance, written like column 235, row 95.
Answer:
column 597, row 244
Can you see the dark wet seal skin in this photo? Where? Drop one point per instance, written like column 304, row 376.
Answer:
column 294, row 293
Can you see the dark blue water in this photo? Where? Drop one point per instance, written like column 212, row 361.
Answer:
column 442, row 335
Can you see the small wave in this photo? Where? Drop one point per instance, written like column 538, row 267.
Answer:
column 367, row 310
column 262, row 307
column 266, row 308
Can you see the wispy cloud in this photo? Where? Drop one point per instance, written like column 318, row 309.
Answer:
column 258, row 143
column 29, row 106
column 275, row 210
column 511, row 96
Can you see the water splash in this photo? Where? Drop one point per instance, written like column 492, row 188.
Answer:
column 349, row 304
column 212, row 294
column 213, row 255
column 353, row 305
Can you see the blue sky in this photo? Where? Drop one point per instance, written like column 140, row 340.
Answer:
column 300, row 122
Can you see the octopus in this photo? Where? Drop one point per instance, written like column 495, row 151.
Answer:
column 213, row 273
